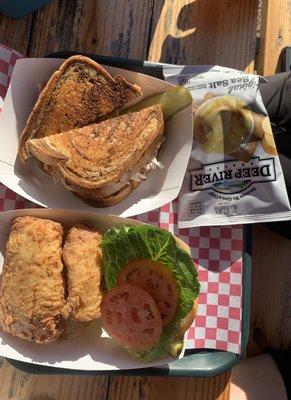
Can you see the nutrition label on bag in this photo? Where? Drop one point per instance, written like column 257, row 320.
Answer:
column 196, row 208
column 234, row 173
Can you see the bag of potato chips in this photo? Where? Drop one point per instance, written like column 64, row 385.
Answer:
column 234, row 175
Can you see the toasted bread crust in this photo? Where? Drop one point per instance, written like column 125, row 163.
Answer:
column 79, row 93
column 112, row 199
column 188, row 320
column 97, row 162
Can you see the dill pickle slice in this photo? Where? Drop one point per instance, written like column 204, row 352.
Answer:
column 171, row 101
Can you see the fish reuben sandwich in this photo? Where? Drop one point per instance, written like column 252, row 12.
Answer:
column 79, row 93
column 102, row 163
column 32, row 286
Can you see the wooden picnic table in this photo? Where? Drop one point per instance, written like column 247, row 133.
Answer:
column 177, row 31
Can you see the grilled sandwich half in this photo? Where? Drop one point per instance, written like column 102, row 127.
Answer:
column 102, row 163
column 79, row 93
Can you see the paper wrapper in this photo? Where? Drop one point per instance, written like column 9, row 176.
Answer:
column 162, row 184
column 217, row 253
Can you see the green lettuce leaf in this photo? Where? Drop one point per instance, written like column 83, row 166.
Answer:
column 121, row 245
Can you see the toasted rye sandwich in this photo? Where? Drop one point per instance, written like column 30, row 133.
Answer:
column 79, row 93
column 102, row 163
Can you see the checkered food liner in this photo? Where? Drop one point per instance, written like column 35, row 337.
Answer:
column 216, row 251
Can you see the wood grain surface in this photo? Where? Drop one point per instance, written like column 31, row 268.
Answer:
column 270, row 300
column 275, row 34
column 205, row 32
column 18, row 385
column 102, row 27
column 180, row 31
column 154, row 388
column 114, row 28
column 16, row 33
column 52, row 28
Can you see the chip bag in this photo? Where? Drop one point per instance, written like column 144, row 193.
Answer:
column 234, row 174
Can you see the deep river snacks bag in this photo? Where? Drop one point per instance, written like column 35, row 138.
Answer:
column 234, row 175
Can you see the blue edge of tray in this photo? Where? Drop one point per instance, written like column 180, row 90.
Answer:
column 196, row 363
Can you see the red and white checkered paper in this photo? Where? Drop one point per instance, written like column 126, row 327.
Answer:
column 216, row 251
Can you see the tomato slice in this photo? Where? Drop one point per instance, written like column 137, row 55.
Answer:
column 130, row 316
column 157, row 280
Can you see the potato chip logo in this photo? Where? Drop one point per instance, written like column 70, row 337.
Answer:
column 232, row 176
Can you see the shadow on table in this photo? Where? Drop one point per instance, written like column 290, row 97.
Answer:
column 209, row 40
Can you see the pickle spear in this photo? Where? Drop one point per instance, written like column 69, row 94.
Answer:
column 171, row 101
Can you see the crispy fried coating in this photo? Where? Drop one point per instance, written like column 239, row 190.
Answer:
column 32, row 286
column 83, row 259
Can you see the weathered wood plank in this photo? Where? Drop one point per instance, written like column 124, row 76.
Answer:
column 15, row 32
column 17, row 385
column 275, row 34
column 205, row 32
column 103, row 27
column 271, row 281
column 52, row 28
column 151, row 388
column 113, row 28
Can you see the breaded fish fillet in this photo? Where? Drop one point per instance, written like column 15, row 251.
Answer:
column 82, row 257
column 32, row 287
